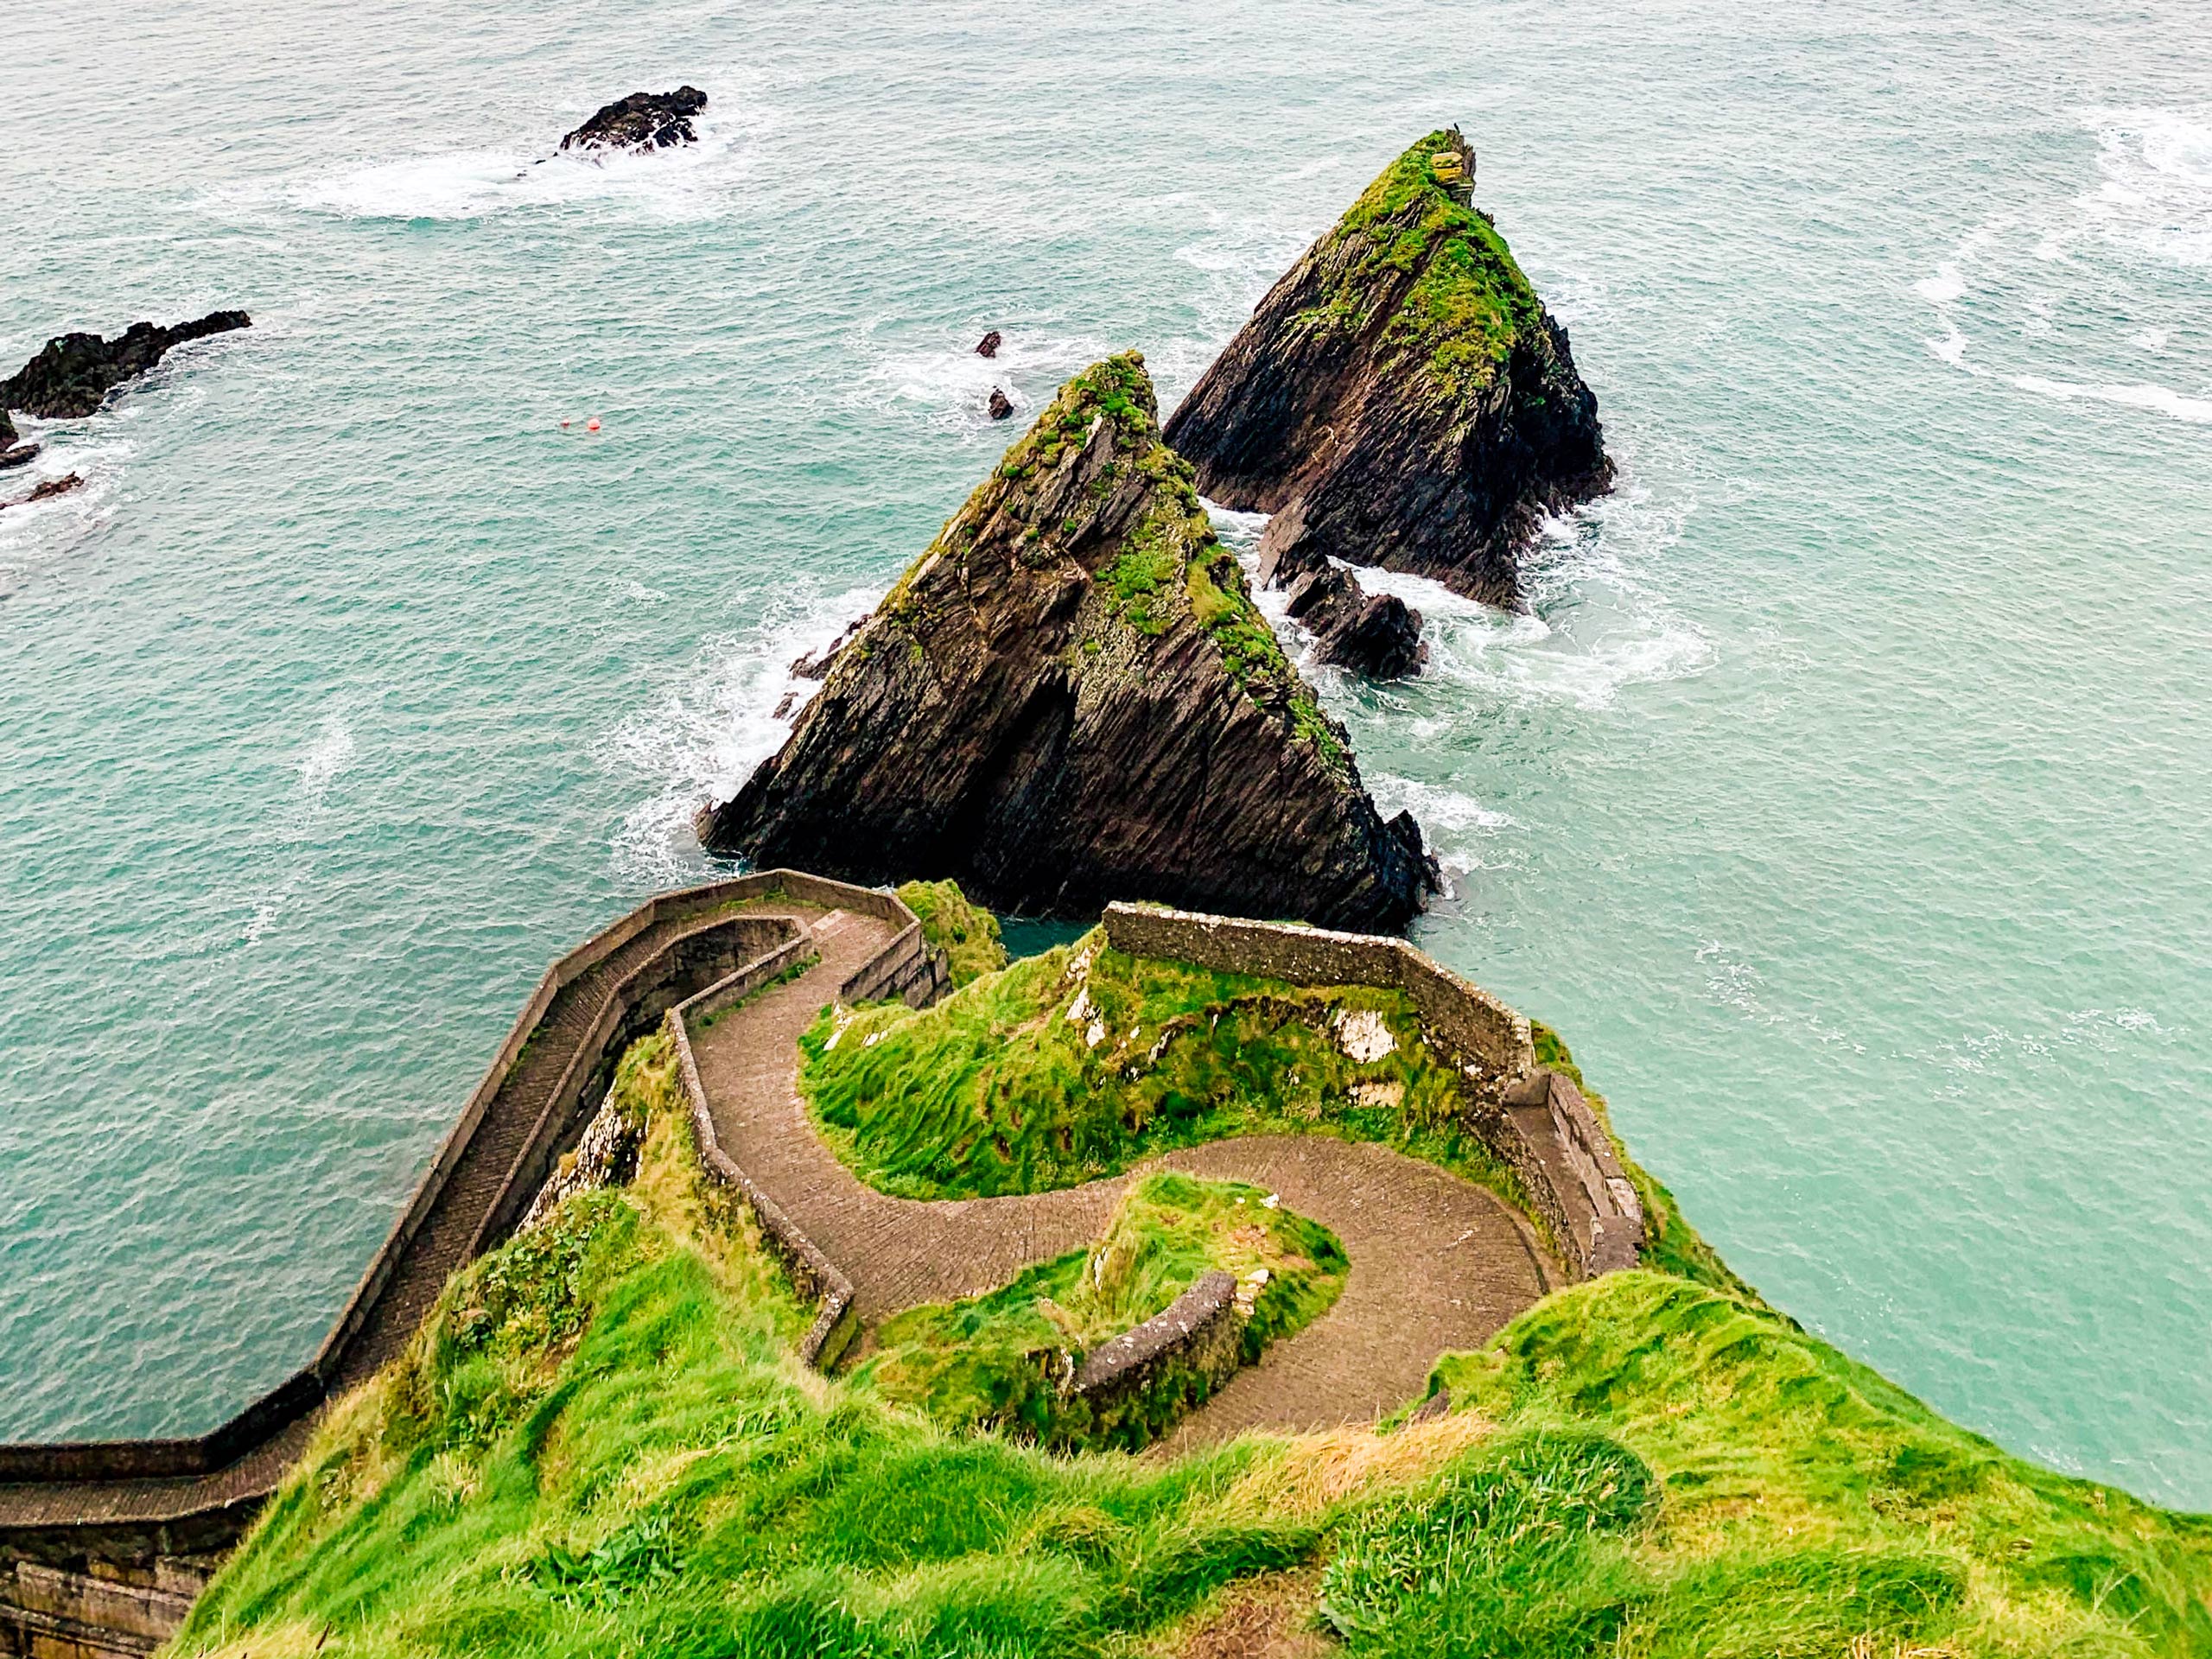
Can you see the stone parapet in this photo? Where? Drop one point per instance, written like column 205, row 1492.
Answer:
column 1467, row 1021
column 1198, row 1337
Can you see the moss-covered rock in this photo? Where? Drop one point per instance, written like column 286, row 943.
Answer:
column 1400, row 398
column 1071, row 698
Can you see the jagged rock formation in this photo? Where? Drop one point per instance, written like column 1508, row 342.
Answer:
column 988, row 345
column 1001, row 406
column 1069, row 698
column 1401, row 398
column 1375, row 634
column 72, row 376
column 641, row 121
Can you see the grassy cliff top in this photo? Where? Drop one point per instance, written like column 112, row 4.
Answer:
column 600, row 1443
column 1469, row 302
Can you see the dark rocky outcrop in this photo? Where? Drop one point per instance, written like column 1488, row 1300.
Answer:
column 1000, row 406
column 72, row 376
column 988, row 345
column 1375, row 634
column 1400, row 398
column 48, row 491
column 1069, row 698
column 642, row 121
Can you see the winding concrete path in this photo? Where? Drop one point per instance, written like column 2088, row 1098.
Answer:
column 1437, row 1262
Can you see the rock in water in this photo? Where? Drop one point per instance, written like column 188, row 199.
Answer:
column 1401, row 398
column 1376, row 635
column 642, row 121
column 1069, row 698
column 988, row 345
column 75, row 372
column 1000, row 406
column 48, row 491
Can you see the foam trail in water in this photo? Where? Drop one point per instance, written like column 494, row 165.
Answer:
column 703, row 738
column 2197, row 411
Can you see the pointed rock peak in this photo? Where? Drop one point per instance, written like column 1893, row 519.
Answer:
column 1069, row 698
column 1400, row 398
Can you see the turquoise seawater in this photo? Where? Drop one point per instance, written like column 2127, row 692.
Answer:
column 1843, row 800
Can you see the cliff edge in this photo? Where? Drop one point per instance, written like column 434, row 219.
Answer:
column 1070, row 699
column 1400, row 398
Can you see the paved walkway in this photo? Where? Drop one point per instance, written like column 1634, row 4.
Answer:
column 1437, row 1262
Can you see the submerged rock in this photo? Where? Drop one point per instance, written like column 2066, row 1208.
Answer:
column 1069, row 698
column 1000, row 406
column 48, row 491
column 1375, row 634
column 988, row 345
column 72, row 376
column 1400, row 398
column 642, row 121
column 18, row 455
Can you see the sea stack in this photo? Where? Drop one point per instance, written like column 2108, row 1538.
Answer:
column 641, row 121
column 1069, row 698
column 1400, row 398
column 72, row 376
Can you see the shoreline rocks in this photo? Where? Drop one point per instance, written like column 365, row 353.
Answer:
column 46, row 491
column 72, row 376
column 1401, row 398
column 641, row 121
column 1069, row 698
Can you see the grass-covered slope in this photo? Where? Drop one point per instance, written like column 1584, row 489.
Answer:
column 965, row 931
column 600, row 1444
column 1801, row 1504
column 1076, row 1063
column 993, row 1360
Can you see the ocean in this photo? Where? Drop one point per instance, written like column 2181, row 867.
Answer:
column 1841, row 799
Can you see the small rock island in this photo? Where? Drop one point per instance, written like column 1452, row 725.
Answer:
column 1400, row 398
column 1071, row 699
column 642, row 121
column 74, row 374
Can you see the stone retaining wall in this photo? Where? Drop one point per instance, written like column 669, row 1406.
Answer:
column 814, row 1275
column 1469, row 1020
column 1535, row 1121
column 1187, row 1350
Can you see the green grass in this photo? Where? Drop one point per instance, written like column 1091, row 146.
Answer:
column 1078, row 1063
column 600, row 1444
column 1808, row 1507
column 965, row 931
column 995, row 1360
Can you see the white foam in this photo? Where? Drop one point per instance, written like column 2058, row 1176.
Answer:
column 683, row 182
column 2156, row 193
column 1944, row 288
column 2197, row 411
column 702, row 737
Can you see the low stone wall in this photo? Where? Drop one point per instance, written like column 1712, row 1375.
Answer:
column 1149, row 1374
column 1467, row 1019
column 813, row 1273
column 1535, row 1121
column 1562, row 1154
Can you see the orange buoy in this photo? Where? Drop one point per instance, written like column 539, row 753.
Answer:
column 592, row 425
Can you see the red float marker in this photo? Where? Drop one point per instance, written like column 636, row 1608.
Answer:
column 592, row 425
